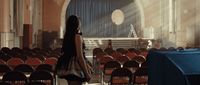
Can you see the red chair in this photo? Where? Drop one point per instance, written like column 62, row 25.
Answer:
column 34, row 62
column 121, row 76
column 25, row 68
column 96, row 51
column 15, row 77
column 52, row 55
column 51, row 61
column 44, row 67
column 115, row 54
column 103, row 60
column 122, row 59
column 2, row 61
column 121, row 50
column 109, row 67
column 144, row 53
column 131, row 65
column 35, row 83
column 4, row 83
column 139, row 58
column 4, row 69
column 13, row 62
column 140, row 76
column 131, row 54
column 109, row 51
column 43, row 76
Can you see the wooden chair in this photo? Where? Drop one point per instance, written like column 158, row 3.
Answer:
column 25, row 68
column 35, row 83
column 14, row 76
column 43, row 76
column 131, row 65
column 121, row 76
column 13, row 62
column 4, row 69
column 2, row 61
column 34, row 62
column 140, row 76
column 108, row 69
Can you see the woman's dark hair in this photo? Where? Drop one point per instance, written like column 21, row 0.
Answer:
column 69, row 47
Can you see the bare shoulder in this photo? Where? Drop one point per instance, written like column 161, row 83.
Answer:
column 78, row 37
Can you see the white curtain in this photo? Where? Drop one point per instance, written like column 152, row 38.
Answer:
column 96, row 20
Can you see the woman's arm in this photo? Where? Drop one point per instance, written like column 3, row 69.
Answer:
column 80, row 55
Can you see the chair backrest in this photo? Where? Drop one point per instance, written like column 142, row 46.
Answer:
column 13, row 62
column 104, row 59
column 131, row 65
column 39, row 56
column 51, row 61
column 14, row 76
column 97, row 51
column 122, row 58
column 131, row 54
column 110, row 66
column 34, row 62
column 2, row 61
column 153, row 49
column 144, row 53
column 171, row 49
column 4, row 83
column 180, row 48
column 41, row 75
column 121, row 76
column 35, row 83
column 121, row 50
column 25, row 68
column 139, row 73
column 5, row 50
column 52, row 56
column 4, row 69
column 109, row 51
column 163, row 49
column 44, row 67
column 4, row 56
column 139, row 58
column 144, row 64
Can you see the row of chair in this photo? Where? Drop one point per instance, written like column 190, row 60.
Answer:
column 19, row 78
column 122, row 51
column 16, row 62
column 6, row 53
column 6, row 57
column 29, row 83
column 25, row 68
column 30, row 61
column 101, row 61
column 114, row 73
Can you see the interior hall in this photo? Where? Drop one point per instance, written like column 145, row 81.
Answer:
column 126, row 42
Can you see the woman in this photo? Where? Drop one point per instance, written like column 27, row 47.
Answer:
column 72, row 47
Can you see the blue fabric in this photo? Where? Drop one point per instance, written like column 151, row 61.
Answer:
column 174, row 67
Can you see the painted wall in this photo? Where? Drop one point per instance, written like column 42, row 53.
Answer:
column 188, row 30
column 51, row 14
column 4, row 15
